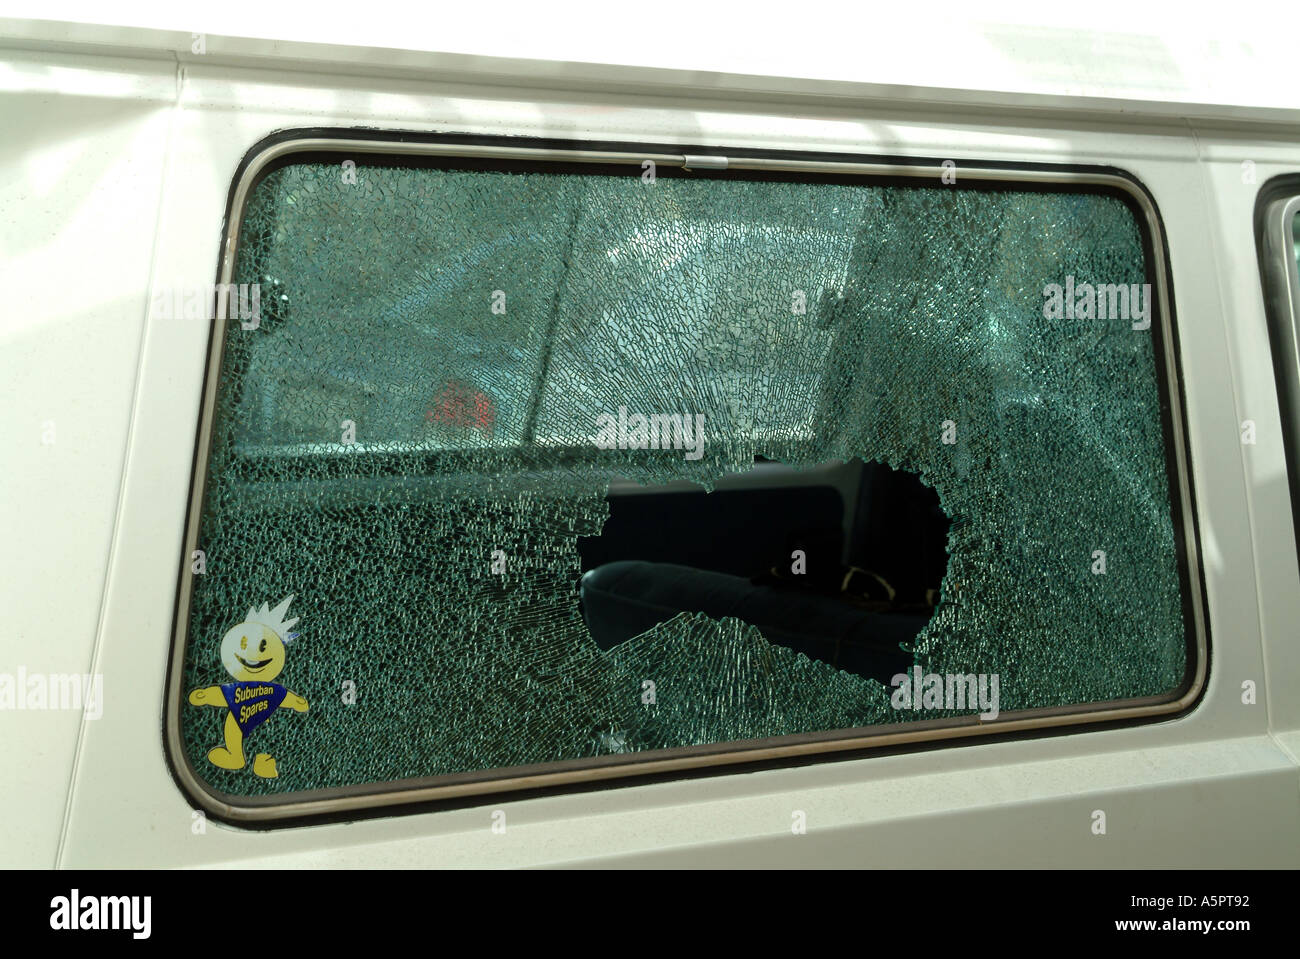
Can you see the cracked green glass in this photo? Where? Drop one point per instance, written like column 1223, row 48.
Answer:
column 417, row 405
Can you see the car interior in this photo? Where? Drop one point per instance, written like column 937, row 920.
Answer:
column 842, row 563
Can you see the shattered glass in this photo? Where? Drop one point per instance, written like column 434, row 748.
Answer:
column 471, row 324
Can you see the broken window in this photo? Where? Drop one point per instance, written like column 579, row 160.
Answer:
column 473, row 391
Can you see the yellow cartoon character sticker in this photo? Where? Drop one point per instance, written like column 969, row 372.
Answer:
column 252, row 652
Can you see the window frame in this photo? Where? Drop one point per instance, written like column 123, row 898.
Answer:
column 468, row 788
column 1276, row 208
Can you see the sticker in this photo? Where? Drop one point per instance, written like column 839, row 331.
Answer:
column 253, row 653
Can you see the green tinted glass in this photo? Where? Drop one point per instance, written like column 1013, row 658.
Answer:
column 1295, row 238
column 409, row 443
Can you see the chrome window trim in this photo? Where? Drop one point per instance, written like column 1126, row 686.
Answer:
column 373, row 798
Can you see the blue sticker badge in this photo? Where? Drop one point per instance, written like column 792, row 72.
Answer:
column 252, row 703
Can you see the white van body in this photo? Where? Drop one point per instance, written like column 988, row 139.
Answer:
column 118, row 150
